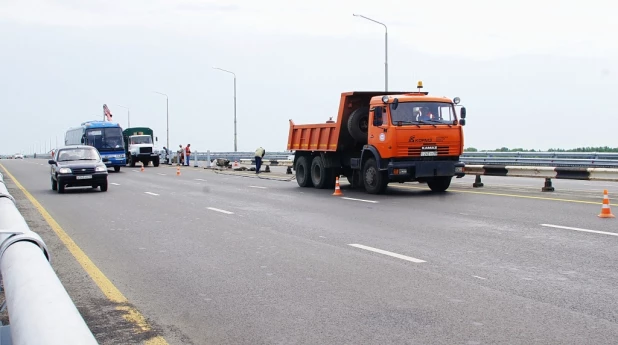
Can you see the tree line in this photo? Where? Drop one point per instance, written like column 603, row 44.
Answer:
column 519, row 149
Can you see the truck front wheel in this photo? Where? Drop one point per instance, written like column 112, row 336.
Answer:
column 155, row 162
column 439, row 184
column 375, row 180
column 303, row 172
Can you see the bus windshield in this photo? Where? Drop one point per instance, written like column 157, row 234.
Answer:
column 105, row 139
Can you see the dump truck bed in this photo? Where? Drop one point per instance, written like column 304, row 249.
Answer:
column 329, row 136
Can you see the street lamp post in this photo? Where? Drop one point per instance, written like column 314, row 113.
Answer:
column 235, row 136
column 385, row 48
column 167, row 111
column 128, row 115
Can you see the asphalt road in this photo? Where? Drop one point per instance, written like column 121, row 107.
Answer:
column 220, row 258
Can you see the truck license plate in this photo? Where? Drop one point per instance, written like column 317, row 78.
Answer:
column 83, row 177
column 429, row 153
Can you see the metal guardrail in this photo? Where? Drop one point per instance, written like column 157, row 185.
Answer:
column 548, row 159
column 40, row 309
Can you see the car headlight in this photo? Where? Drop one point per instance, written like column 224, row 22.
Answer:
column 64, row 170
column 100, row 169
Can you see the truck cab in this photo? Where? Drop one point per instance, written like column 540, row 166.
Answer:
column 140, row 146
column 412, row 137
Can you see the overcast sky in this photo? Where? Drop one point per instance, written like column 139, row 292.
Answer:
column 531, row 74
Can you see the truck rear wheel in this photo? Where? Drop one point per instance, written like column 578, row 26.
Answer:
column 375, row 180
column 303, row 172
column 358, row 124
column 439, row 184
column 321, row 177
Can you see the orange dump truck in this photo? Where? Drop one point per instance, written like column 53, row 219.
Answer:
column 382, row 137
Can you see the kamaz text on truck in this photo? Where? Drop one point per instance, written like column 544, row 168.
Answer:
column 382, row 137
column 139, row 145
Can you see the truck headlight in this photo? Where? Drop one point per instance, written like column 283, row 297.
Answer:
column 400, row 171
column 100, row 169
column 120, row 156
column 64, row 170
column 459, row 169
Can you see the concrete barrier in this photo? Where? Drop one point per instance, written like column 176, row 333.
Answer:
column 547, row 173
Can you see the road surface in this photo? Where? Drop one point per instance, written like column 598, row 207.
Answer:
column 230, row 258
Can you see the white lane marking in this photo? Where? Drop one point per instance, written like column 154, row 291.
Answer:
column 161, row 174
column 200, row 179
column 260, row 187
column 578, row 229
column 480, row 277
column 115, row 184
column 219, row 210
column 363, row 200
column 135, row 170
column 395, row 255
column 155, row 194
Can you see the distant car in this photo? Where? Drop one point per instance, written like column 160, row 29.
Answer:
column 19, row 156
column 78, row 166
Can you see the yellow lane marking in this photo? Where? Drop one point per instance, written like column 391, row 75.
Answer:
column 513, row 195
column 107, row 287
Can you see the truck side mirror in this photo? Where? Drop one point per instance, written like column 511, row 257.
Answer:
column 377, row 116
column 395, row 103
column 83, row 140
column 463, row 113
column 462, row 122
column 156, row 138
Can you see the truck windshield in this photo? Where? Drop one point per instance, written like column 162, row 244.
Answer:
column 141, row 140
column 105, row 139
column 422, row 113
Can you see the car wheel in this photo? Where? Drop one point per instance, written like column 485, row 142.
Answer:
column 54, row 184
column 104, row 187
column 60, row 188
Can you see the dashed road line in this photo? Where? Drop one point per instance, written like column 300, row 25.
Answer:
column 219, row 210
column 115, row 184
column 363, row 200
column 151, row 193
column 579, row 229
column 259, row 187
column 162, row 174
column 395, row 255
column 480, row 278
column 200, row 179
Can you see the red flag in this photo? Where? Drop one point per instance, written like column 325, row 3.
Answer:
column 107, row 113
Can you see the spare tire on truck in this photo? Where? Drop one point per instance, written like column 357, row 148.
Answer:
column 358, row 124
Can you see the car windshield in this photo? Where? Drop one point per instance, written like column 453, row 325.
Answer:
column 423, row 113
column 141, row 140
column 105, row 139
column 77, row 154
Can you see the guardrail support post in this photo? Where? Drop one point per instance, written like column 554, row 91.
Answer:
column 477, row 182
column 548, row 186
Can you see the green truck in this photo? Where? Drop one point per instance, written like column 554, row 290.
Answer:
column 139, row 146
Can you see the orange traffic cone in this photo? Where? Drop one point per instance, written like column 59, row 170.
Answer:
column 142, row 169
column 337, row 189
column 606, row 212
column 177, row 171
